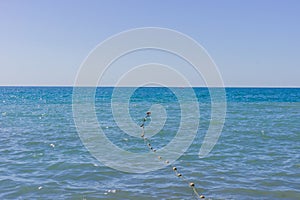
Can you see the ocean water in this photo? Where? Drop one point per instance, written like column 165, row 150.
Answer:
column 256, row 157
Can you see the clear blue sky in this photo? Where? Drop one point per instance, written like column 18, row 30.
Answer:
column 254, row 43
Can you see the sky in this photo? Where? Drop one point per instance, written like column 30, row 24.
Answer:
column 253, row 42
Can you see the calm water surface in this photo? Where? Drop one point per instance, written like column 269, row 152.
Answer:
column 256, row 157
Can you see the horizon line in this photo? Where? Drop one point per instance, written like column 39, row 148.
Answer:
column 200, row 86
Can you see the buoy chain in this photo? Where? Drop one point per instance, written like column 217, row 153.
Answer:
column 147, row 142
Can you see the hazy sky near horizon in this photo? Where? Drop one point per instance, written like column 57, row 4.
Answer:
column 253, row 43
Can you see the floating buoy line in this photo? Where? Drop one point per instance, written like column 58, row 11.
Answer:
column 179, row 175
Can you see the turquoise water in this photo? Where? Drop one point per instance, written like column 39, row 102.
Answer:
column 256, row 157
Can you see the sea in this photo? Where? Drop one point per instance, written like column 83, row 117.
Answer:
column 42, row 155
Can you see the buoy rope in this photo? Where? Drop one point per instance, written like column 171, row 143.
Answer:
column 148, row 144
